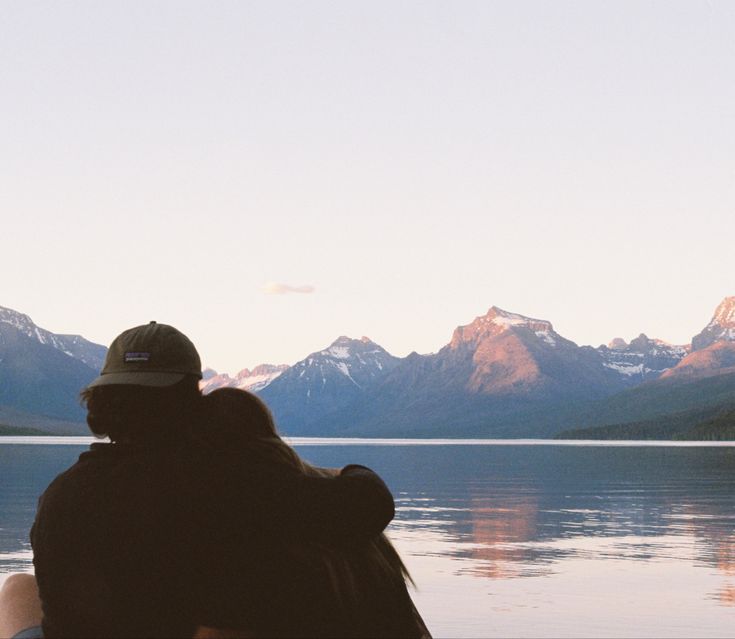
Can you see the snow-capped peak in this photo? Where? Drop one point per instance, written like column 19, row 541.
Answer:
column 357, row 360
column 496, row 321
column 645, row 344
column 724, row 314
column 617, row 344
column 345, row 348
column 20, row 321
column 250, row 380
column 641, row 359
column 74, row 346
column 721, row 327
column 340, row 348
column 506, row 318
column 340, row 352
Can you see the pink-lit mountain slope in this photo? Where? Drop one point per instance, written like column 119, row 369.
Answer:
column 491, row 375
column 502, row 374
column 713, row 349
column 721, row 327
column 504, row 354
column 250, row 380
column 697, row 390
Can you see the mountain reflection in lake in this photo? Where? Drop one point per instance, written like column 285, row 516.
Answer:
column 564, row 541
column 522, row 540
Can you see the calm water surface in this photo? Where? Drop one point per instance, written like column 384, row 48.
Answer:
column 518, row 539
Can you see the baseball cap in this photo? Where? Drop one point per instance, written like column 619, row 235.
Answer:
column 149, row 355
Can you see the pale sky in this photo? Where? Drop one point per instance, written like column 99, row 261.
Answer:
column 267, row 176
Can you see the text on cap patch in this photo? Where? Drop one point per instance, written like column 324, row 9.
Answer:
column 136, row 356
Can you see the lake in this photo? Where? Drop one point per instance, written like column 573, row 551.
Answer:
column 515, row 539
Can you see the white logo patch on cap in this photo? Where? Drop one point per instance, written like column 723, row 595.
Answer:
column 137, row 356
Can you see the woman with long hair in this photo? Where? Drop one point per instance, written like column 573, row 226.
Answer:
column 356, row 588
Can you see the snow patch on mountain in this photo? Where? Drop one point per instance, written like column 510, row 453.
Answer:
column 497, row 321
column 505, row 318
column 627, row 368
column 642, row 359
column 357, row 361
column 345, row 371
column 73, row 346
column 546, row 336
column 17, row 320
column 352, row 358
column 340, row 352
column 249, row 380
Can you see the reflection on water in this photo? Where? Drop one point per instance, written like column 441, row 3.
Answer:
column 522, row 540
column 558, row 541
column 25, row 471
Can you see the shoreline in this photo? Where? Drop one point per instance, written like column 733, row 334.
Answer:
column 78, row 440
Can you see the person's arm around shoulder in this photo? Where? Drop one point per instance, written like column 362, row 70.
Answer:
column 354, row 504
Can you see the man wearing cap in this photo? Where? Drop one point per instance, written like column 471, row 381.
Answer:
column 123, row 539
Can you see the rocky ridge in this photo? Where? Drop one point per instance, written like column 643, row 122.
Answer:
column 499, row 370
column 642, row 359
column 326, row 381
column 713, row 349
column 75, row 346
column 250, row 380
column 721, row 327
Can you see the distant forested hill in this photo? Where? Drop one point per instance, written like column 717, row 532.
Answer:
column 20, row 431
column 656, row 410
column 711, row 423
column 720, row 427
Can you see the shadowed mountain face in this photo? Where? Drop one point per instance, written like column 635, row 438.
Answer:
column 75, row 346
column 488, row 379
column 37, row 377
column 690, row 394
column 503, row 375
column 656, row 410
column 643, row 359
column 694, row 399
column 326, row 381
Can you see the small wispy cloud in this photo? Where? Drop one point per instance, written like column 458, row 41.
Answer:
column 277, row 288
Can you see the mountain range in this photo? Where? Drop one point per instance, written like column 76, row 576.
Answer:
column 501, row 375
column 41, row 374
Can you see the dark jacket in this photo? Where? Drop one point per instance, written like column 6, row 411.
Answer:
column 149, row 542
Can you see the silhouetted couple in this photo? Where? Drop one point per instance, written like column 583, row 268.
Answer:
column 199, row 520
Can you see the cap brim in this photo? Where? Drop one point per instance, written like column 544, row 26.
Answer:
column 138, row 378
